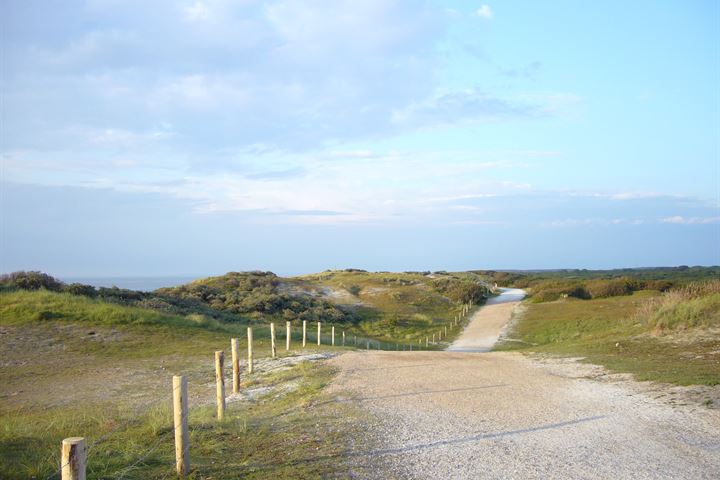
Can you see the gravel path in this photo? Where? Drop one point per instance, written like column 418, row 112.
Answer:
column 487, row 323
column 459, row 415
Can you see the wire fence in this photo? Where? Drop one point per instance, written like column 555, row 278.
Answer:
column 74, row 460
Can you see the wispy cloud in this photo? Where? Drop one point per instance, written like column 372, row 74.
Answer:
column 680, row 220
column 484, row 12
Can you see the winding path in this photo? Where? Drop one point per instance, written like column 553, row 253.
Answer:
column 463, row 414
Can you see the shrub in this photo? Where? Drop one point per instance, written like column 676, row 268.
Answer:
column 30, row 281
column 612, row 288
column 81, row 289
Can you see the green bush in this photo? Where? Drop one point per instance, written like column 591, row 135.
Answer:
column 30, row 281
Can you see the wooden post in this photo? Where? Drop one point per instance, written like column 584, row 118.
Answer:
column 332, row 329
column 180, row 417
column 304, row 333
column 273, row 348
column 433, row 338
column 367, row 347
column 235, row 365
column 355, row 339
column 427, row 341
column 446, row 330
column 250, row 356
column 411, row 347
column 319, row 330
column 220, row 383
column 287, row 335
column 343, row 338
column 73, row 458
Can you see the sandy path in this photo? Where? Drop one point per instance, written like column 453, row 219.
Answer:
column 458, row 415
column 487, row 322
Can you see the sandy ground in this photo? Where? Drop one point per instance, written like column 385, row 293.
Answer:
column 468, row 415
column 487, row 323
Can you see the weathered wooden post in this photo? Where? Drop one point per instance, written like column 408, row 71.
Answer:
column 343, row 338
column 235, row 365
column 427, row 341
column 319, row 330
column 355, row 339
column 220, row 383
column 304, row 333
column 433, row 338
column 273, row 348
column 73, row 458
column 287, row 335
column 332, row 336
column 250, row 352
column 180, row 418
column 446, row 330
column 367, row 347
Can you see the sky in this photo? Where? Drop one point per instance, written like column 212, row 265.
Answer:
column 197, row 137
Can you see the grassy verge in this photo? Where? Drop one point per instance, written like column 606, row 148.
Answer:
column 73, row 366
column 623, row 335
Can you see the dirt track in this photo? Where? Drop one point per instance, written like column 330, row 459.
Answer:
column 500, row 415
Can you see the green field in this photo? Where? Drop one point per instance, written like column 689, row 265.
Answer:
column 672, row 337
column 73, row 366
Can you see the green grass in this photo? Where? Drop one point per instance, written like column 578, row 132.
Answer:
column 393, row 308
column 300, row 434
column 74, row 366
column 620, row 333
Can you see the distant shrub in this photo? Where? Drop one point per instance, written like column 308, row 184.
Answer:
column 611, row 288
column 80, row 289
column 659, row 285
column 354, row 290
column 461, row 290
column 30, row 281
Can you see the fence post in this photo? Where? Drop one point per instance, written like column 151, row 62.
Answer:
column 235, row 365
column 304, row 333
column 367, row 347
column 332, row 336
column 433, row 338
column 319, row 330
column 343, row 338
column 355, row 339
column 180, row 417
column 220, row 383
column 427, row 341
column 287, row 335
column 250, row 356
column 273, row 348
column 446, row 330
column 73, row 458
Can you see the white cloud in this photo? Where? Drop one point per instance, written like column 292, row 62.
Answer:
column 484, row 12
column 197, row 12
column 680, row 220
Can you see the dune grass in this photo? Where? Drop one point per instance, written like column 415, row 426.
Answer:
column 73, row 366
column 401, row 308
column 659, row 337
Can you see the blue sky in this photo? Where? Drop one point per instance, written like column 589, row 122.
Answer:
column 197, row 137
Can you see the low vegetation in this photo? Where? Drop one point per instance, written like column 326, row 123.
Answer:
column 669, row 337
column 75, row 365
column 551, row 285
column 397, row 307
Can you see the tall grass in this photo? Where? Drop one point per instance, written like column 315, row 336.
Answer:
column 694, row 305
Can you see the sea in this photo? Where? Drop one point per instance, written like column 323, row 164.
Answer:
column 145, row 284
